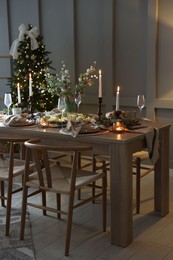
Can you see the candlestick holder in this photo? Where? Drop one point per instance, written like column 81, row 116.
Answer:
column 99, row 112
column 117, row 113
column 31, row 107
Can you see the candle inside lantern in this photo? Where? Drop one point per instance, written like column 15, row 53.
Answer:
column 119, row 126
column 30, row 85
column 117, row 98
column 43, row 123
column 100, row 84
column 18, row 93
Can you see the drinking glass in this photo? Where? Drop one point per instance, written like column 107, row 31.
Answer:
column 61, row 105
column 140, row 102
column 78, row 100
column 7, row 100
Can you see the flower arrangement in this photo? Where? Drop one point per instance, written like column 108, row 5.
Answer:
column 61, row 84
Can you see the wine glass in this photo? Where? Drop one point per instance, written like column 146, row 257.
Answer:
column 61, row 105
column 140, row 102
column 7, row 100
column 78, row 100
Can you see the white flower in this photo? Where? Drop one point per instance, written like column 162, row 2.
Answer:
column 62, row 85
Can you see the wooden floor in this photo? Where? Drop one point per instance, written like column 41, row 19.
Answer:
column 153, row 236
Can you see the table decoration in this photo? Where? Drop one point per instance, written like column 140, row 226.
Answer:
column 18, row 93
column 100, row 99
column 43, row 123
column 31, row 102
column 104, row 122
column 73, row 123
column 72, row 116
column 18, row 120
column 62, row 86
column 128, row 118
column 71, row 129
column 30, row 85
column 57, row 120
column 99, row 112
column 117, row 98
column 86, row 118
column 54, row 120
column 118, row 126
column 100, row 84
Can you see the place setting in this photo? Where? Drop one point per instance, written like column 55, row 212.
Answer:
column 71, row 124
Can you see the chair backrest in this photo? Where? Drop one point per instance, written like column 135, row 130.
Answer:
column 39, row 152
column 11, row 149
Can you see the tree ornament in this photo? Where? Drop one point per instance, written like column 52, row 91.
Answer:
column 33, row 57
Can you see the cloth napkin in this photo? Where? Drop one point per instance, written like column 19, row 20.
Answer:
column 16, row 120
column 151, row 137
column 152, row 141
column 71, row 129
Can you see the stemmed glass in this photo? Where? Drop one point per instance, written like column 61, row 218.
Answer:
column 78, row 100
column 7, row 100
column 140, row 102
column 61, row 105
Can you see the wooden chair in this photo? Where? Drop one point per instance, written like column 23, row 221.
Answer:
column 9, row 169
column 60, row 180
column 101, row 162
column 140, row 171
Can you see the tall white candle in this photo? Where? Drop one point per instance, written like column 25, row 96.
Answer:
column 18, row 93
column 30, row 85
column 100, row 84
column 117, row 98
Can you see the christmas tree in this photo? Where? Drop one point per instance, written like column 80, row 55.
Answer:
column 31, row 61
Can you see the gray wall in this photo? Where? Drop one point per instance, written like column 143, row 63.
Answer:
column 131, row 41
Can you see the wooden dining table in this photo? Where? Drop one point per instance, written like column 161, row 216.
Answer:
column 120, row 148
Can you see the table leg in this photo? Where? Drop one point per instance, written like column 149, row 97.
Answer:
column 161, row 179
column 121, row 194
